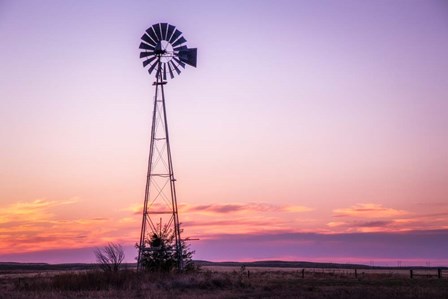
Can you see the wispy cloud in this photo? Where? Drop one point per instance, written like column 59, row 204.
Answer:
column 202, row 219
column 368, row 210
column 223, row 208
column 34, row 225
column 135, row 208
column 371, row 217
column 30, row 211
column 245, row 207
column 366, row 226
column 368, row 217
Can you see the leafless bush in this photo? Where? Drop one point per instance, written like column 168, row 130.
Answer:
column 110, row 257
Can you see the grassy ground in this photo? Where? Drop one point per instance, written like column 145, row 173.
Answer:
column 213, row 283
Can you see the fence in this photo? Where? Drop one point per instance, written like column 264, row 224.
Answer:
column 413, row 273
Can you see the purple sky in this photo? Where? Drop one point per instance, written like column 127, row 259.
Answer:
column 316, row 119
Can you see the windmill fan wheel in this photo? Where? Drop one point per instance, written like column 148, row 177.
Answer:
column 164, row 51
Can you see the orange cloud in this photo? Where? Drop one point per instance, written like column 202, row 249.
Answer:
column 246, row 207
column 297, row 209
column 368, row 210
column 369, row 217
column 134, row 208
column 33, row 225
column 204, row 219
column 30, row 211
column 210, row 219
column 336, row 223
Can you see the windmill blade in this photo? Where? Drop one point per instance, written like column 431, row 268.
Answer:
column 170, row 70
column 163, row 27
column 151, row 33
column 164, row 71
column 146, row 47
column 156, row 29
column 177, row 49
column 179, row 62
column 148, row 40
column 152, row 67
column 180, row 41
column 175, row 67
column 149, row 60
column 146, row 54
column 175, row 36
column 170, row 32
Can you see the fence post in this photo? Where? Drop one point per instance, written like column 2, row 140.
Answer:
column 303, row 273
column 412, row 273
column 439, row 273
column 356, row 273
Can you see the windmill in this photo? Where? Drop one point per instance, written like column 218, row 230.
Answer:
column 164, row 53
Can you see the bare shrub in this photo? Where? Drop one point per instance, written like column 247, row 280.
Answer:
column 110, row 257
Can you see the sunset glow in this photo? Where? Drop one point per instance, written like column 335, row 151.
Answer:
column 310, row 130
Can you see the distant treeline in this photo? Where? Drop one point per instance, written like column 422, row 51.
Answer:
column 270, row 264
column 292, row 264
column 49, row 267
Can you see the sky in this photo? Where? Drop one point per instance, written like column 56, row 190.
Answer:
column 310, row 130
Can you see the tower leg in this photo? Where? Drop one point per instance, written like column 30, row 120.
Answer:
column 160, row 191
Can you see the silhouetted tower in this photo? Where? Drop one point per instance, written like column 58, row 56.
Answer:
column 164, row 53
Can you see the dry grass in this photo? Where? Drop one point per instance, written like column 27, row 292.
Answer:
column 233, row 283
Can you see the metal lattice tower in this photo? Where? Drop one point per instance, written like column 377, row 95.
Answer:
column 163, row 51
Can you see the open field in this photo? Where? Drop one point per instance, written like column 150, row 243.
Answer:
column 223, row 282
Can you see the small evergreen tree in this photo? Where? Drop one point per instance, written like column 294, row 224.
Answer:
column 187, row 256
column 162, row 256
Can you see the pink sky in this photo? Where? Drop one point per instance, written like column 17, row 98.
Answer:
column 314, row 123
